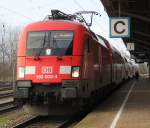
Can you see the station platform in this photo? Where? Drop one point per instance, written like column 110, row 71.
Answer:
column 128, row 107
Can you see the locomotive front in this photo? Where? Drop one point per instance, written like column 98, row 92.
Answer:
column 49, row 62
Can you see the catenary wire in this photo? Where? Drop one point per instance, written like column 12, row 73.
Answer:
column 17, row 13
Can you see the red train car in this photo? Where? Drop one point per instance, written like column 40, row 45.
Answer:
column 61, row 61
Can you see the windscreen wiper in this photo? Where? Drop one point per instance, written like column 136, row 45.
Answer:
column 43, row 44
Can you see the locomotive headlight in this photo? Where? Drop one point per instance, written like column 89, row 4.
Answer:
column 75, row 71
column 21, row 71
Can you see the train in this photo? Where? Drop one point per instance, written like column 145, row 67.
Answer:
column 61, row 63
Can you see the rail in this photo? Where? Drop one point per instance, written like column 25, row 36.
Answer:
column 6, row 97
column 26, row 122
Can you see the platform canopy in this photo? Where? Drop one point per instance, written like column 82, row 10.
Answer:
column 139, row 11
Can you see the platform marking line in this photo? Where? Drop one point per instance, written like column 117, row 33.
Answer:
column 114, row 122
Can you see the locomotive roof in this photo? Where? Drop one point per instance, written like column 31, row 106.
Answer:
column 55, row 25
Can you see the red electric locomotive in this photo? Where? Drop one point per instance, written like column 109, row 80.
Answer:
column 62, row 62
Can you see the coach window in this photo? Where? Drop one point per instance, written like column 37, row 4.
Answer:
column 87, row 46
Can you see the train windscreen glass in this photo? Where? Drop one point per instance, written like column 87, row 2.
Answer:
column 49, row 43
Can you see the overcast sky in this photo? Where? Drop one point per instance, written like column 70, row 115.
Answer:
column 22, row 12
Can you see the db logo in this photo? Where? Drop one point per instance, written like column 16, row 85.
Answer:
column 47, row 70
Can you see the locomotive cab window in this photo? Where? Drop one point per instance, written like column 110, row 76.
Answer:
column 50, row 43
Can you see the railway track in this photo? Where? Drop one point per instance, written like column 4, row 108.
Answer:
column 5, row 85
column 7, row 105
column 8, row 108
column 41, row 122
column 6, row 97
column 54, row 122
column 28, row 121
column 8, row 93
column 50, row 122
column 3, row 88
column 35, row 121
column 6, row 90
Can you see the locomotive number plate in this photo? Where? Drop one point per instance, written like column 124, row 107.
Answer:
column 47, row 70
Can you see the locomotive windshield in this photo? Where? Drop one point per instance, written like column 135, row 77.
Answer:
column 50, row 43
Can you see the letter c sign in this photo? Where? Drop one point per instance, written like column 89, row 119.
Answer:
column 119, row 27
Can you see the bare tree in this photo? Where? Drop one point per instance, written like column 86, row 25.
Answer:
column 8, row 41
column 2, row 44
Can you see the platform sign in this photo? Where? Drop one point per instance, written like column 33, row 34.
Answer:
column 119, row 27
column 130, row 46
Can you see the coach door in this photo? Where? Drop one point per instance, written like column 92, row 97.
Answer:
column 86, row 59
column 88, row 72
column 100, row 65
